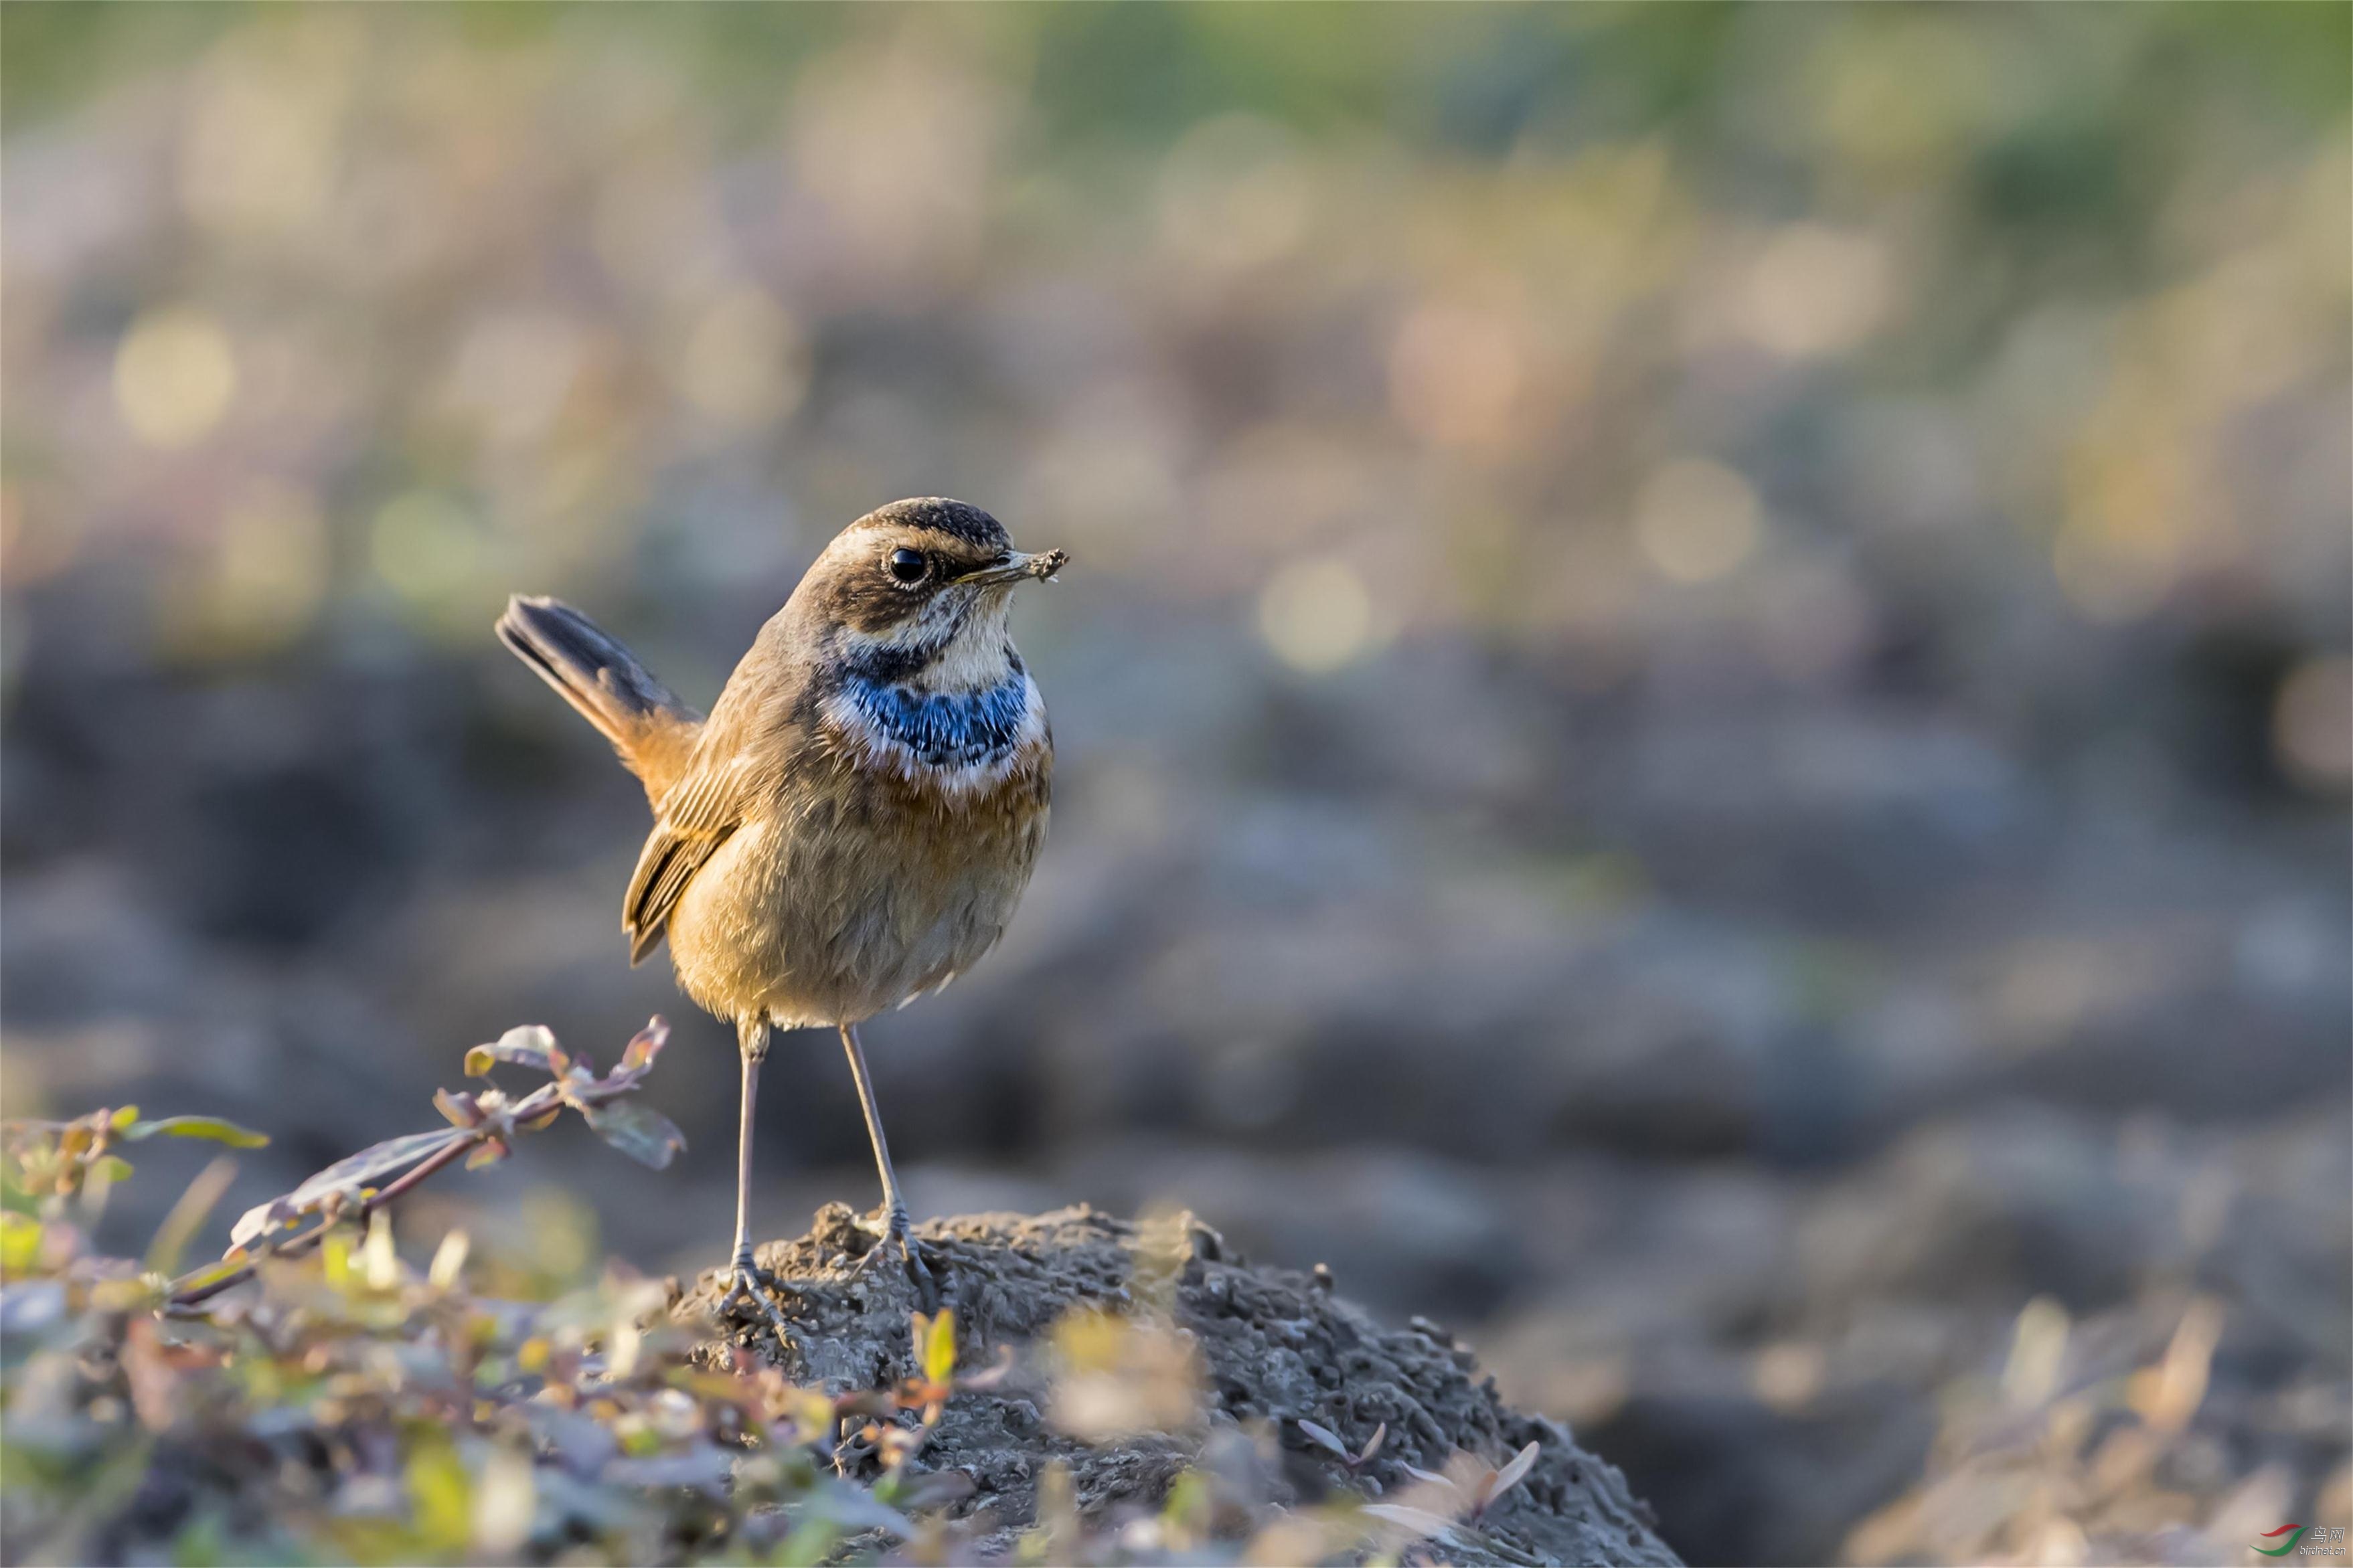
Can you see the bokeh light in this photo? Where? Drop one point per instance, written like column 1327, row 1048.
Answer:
column 1696, row 520
column 266, row 580
column 175, row 375
column 1316, row 615
column 1813, row 291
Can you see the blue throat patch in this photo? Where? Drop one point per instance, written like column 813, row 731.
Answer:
column 974, row 727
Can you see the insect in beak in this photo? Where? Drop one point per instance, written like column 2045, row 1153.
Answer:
column 1016, row 564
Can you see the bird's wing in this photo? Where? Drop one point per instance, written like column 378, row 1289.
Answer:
column 693, row 820
column 742, row 753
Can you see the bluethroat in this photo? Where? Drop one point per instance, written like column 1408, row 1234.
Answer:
column 854, row 822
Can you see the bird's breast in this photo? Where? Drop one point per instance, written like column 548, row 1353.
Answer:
column 959, row 744
column 866, row 883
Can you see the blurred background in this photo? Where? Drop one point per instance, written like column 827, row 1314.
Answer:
column 1703, row 702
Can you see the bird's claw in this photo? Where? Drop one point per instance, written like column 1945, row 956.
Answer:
column 746, row 1298
column 897, row 1235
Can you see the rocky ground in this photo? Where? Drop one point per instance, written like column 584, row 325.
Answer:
column 1209, row 1362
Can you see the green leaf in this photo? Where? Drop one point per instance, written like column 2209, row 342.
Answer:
column 111, row 1168
column 524, row 1045
column 336, row 1262
column 20, row 1245
column 939, row 1347
column 211, row 1127
column 441, row 1494
column 1187, row 1507
column 646, row 1136
column 124, row 1118
column 198, row 1278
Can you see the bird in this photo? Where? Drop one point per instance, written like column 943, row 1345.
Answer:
column 853, row 824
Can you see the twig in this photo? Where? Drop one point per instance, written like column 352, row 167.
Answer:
column 482, row 1125
column 182, row 1295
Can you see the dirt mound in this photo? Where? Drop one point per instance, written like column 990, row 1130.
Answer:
column 1261, row 1349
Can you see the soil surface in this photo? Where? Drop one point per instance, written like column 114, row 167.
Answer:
column 1273, row 1346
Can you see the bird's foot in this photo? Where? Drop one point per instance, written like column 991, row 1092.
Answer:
column 897, row 1237
column 749, row 1296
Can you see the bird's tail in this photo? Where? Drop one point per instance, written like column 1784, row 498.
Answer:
column 652, row 730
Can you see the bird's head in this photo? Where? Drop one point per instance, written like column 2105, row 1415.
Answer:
column 916, row 593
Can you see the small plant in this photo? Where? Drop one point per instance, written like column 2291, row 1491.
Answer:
column 44, row 1165
column 1324, row 1437
column 52, row 1160
column 352, row 1407
column 1464, row 1495
column 484, row 1125
column 926, row 1394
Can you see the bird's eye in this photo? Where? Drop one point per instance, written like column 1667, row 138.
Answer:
column 907, row 566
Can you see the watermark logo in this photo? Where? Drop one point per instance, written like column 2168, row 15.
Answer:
column 2304, row 1540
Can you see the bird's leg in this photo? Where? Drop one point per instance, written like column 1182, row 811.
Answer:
column 895, row 1207
column 745, row 1280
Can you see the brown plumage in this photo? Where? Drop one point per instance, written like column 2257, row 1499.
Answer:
column 649, row 727
column 855, row 821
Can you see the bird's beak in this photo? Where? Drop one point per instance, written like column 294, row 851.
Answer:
column 1016, row 564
